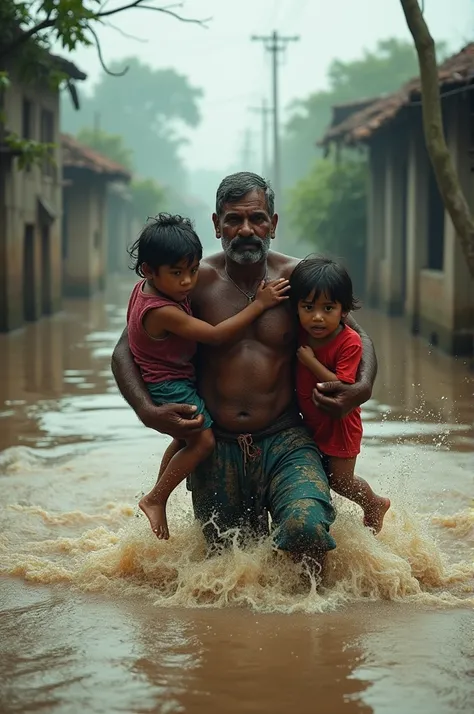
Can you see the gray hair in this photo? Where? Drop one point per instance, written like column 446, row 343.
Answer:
column 234, row 187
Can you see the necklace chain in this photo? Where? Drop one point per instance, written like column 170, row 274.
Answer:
column 250, row 296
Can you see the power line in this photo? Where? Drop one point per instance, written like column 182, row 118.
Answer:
column 275, row 44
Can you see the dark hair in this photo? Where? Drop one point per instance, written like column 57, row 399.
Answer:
column 234, row 187
column 323, row 275
column 165, row 240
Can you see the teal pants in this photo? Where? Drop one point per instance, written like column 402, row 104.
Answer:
column 246, row 478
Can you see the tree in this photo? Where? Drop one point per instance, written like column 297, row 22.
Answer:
column 110, row 145
column 149, row 198
column 446, row 177
column 67, row 22
column 328, row 210
column 383, row 70
column 146, row 107
column 29, row 29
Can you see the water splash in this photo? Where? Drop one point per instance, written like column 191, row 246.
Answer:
column 122, row 556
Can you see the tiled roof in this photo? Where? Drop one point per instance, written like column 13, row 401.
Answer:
column 361, row 125
column 78, row 156
column 67, row 67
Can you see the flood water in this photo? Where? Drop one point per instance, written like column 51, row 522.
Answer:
column 98, row 616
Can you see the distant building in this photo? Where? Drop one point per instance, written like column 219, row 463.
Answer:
column 86, row 175
column 31, row 199
column 122, row 228
column 415, row 265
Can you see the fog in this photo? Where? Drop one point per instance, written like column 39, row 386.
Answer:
column 234, row 72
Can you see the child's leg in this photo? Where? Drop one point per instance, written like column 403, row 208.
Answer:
column 343, row 481
column 171, row 451
column 183, row 463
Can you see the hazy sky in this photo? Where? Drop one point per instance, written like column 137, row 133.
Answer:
column 235, row 72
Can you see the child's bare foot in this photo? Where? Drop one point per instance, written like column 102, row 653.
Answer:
column 156, row 514
column 374, row 515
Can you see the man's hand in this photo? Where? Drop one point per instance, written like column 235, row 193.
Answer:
column 176, row 420
column 339, row 399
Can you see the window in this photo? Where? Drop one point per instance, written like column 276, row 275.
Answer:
column 27, row 128
column 47, row 137
column 27, row 131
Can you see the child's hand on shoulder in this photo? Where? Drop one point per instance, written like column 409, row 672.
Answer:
column 305, row 355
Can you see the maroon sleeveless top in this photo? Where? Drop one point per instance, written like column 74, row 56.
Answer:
column 164, row 359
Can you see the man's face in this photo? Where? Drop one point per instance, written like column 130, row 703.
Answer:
column 245, row 228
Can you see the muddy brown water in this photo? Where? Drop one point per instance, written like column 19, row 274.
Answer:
column 96, row 616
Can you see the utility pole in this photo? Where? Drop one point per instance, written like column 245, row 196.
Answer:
column 246, row 154
column 97, row 124
column 275, row 44
column 265, row 111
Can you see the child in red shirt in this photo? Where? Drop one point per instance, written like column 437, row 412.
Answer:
column 163, row 337
column 321, row 292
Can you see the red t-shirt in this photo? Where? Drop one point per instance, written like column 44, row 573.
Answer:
column 164, row 359
column 335, row 437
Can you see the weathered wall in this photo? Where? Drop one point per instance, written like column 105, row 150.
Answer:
column 85, row 239
column 22, row 191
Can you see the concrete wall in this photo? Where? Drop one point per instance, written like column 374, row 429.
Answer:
column 85, row 233
column 22, row 190
column 447, row 296
column 121, row 228
column 438, row 304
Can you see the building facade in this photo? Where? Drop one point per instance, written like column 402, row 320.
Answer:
column 85, row 251
column 31, row 199
column 415, row 265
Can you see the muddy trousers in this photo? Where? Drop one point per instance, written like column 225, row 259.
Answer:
column 250, row 476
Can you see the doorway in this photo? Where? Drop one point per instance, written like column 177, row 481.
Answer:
column 46, row 302
column 29, row 286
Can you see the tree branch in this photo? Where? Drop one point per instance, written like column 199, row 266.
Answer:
column 445, row 172
column 101, row 58
column 123, row 33
column 23, row 37
column 138, row 5
column 50, row 22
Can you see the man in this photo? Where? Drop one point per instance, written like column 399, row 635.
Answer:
column 264, row 461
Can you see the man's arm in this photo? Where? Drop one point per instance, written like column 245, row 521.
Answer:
column 339, row 399
column 176, row 420
column 368, row 364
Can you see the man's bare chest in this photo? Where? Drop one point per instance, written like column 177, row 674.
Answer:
column 275, row 327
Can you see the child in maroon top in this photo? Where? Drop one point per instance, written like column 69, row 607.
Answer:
column 163, row 337
column 321, row 291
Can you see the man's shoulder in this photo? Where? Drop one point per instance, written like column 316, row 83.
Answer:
column 212, row 262
column 283, row 264
column 209, row 269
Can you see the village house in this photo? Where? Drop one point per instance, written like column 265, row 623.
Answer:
column 86, row 175
column 122, row 228
column 415, row 265
column 31, row 198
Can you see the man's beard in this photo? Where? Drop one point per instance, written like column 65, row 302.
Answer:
column 233, row 248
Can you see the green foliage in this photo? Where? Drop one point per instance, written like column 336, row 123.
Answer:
column 391, row 64
column 146, row 107
column 28, row 29
column 29, row 152
column 328, row 207
column 149, row 198
column 50, row 21
column 110, row 145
